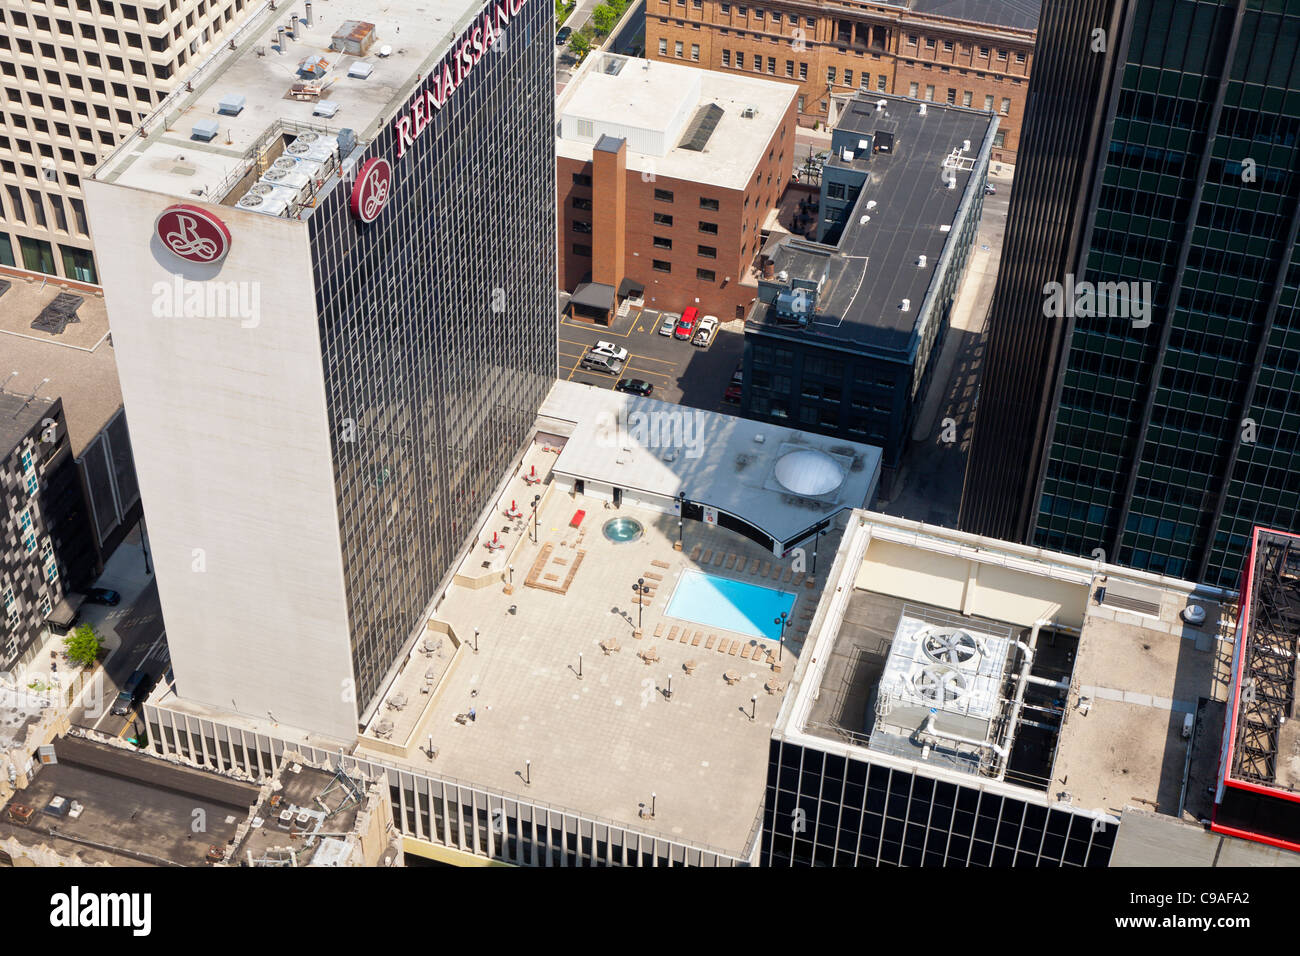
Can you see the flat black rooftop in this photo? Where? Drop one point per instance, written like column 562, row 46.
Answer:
column 874, row 266
column 1020, row 14
column 18, row 417
column 138, row 810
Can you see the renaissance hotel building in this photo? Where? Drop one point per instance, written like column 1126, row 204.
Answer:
column 329, row 266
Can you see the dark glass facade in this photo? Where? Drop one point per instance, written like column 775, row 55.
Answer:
column 1169, row 441
column 823, row 809
column 438, row 333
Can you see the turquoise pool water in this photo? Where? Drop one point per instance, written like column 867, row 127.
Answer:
column 731, row 605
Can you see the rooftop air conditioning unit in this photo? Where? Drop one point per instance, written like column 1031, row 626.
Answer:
column 965, row 146
column 906, row 306
column 748, row 112
column 759, row 438
column 920, row 262
column 881, row 104
column 922, row 110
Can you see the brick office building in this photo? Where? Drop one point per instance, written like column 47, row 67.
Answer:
column 973, row 53
column 667, row 177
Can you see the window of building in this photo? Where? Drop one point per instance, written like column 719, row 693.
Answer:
column 947, row 46
column 662, row 242
column 789, row 68
column 848, row 77
column 580, row 203
column 581, row 179
column 952, row 96
column 966, row 98
column 661, row 219
column 988, row 104
column 913, row 89
column 803, row 73
column 1000, row 138
column 663, row 46
column 1020, row 57
column 708, row 252
column 740, row 59
column 706, row 275
column 695, row 51
column 709, row 227
column 663, row 195
column 771, row 65
column 726, row 58
column 799, row 105
column 582, row 226
column 707, row 203
column 677, row 49
column 929, row 93
column 830, row 74
column 1006, row 106
column 660, row 266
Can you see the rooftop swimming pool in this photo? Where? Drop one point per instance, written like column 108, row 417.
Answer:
column 730, row 605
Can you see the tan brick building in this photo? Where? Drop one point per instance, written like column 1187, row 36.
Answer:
column 666, row 177
column 975, row 53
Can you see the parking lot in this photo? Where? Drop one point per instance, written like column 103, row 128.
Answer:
column 679, row 371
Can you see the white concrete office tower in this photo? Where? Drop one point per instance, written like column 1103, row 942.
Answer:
column 79, row 77
column 330, row 273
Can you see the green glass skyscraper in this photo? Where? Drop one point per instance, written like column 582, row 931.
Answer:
column 1141, row 395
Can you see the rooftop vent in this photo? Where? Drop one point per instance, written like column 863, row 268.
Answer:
column 921, row 261
column 205, row 130
column 871, row 204
column 880, row 105
column 1131, row 597
column 906, row 305
column 864, row 220
column 356, row 37
column 965, row 146
column 749, row 112
column 847, row 155
column 864, row 145
column 326, row 108
column 231, row 105
column 360, row 70
column 922, row 109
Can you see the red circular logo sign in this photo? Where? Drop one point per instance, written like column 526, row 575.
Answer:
column 370, row 191
column 193, row 234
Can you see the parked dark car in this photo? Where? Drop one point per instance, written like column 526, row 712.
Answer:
column 635, row 386
column 562, row 37
column 105, row 596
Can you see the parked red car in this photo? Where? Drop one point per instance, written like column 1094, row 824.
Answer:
column 686, row 324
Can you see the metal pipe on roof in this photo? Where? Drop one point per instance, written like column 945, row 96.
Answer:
column 309, row 19
column 928, row 728
column 1028, row 651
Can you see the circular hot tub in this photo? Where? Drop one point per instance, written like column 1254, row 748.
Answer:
column 619, row 530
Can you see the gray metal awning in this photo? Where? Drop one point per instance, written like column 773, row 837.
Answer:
column 630, row 287
column 593, row 295
column 65, row 612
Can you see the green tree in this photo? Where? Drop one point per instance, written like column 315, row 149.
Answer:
column 604, row 17
column 579, row 45
column 82, row 645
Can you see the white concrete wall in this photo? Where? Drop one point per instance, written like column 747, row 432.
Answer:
column 231, row 443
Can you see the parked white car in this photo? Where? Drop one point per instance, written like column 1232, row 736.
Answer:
column 704, row 334
column 610, row 349
column 668, row 323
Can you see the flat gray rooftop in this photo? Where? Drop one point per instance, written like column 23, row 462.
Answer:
column 168, row 160
column 874, row 266
column 651, row 104
column 65, row 341
column 643, row 444
column 18, row 416
column 1019, row 14
column 1151, row 839
column 138, row 810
